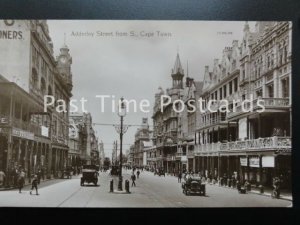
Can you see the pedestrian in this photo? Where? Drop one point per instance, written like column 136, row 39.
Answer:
column 21, row 180
column 138, row 174
column 179, row 177
column 2, row 178
column 133, row 179
column 34, row 184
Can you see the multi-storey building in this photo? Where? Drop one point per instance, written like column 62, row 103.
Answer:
column 87, row 140
column 142, row 135
column 30, row 136
column 130, row 156
column 165, row 123
column 101, row 153
column 249, row 144
column 187, row 121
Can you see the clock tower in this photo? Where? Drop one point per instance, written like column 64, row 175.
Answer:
column 64, row 61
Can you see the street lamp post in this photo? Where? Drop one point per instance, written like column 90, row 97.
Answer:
column 121, row 130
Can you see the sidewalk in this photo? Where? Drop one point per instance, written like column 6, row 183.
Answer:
column 267, row 192
column 27, row 183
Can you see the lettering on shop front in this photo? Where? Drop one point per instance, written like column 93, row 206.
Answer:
column 23, row 134
column 254, row 162
column 3, row 120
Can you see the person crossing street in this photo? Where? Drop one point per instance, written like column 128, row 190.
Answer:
column 179, row 177
column 133, row 180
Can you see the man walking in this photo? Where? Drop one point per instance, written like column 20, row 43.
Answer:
column 138, row 174
column 133, row 180
column 179, row 177
column 34, row 185
column 21, row 180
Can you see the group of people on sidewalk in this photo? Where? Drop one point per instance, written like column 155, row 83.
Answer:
column 17, row 179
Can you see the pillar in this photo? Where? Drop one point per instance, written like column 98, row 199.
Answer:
column 219, row 167
column 26, row 157
column 259, row 126
column 260, row 169
column 247, row 122
column 228, row 131
column 203, row 168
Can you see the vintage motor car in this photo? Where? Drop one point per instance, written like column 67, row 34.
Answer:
column 193, row 185
column 89, row 174
column 159, row 172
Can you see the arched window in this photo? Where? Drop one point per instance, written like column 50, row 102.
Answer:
column 43, row 86
column 34, row 77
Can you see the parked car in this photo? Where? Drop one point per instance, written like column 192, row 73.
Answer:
column 159, row 172
column 193, row 185
column 89, row 174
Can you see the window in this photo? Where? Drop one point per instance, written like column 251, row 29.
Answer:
column 230, row 87
column 224, row 89
column 35, row 79
column 259, row 93
column 285, row 87
column 220, row 92
column 270, row 91
column 235, row 81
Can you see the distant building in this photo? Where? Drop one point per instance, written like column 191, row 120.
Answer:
column 87, row 140
column 142, row 135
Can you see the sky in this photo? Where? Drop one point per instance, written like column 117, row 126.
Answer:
column 135, row 66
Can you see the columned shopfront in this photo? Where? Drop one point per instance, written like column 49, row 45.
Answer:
column 263, row 167
column 59, row 159
column 22, row 149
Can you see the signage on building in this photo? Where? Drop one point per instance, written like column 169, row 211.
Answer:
column 268, row 161
column 244, row 161
column 22, row 134
column 3, row 120
column 254, row 162
column 183, row 158
column 45, row 131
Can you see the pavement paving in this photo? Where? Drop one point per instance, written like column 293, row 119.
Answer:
column 150, row 191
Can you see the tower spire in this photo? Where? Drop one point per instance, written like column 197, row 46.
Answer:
column 177, row 66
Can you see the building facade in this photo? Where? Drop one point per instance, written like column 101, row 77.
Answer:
column 142, row 135
column 85, row 136
column 32, row 137
column 249, row 144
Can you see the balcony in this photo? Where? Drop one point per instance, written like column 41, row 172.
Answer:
column 206, row 148
column 273, row 102
column 269, row 143
column 268, row 103
column 212, row 121
column 27, row 126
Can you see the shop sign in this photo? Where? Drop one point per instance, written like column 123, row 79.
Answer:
column 243, row 161
column 22, row 134
column 3, row 120
column 183, row 158
column 268, row 161
column 45, row 131
column 254, row 162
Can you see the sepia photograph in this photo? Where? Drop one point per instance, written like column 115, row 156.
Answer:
column 145, row 113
